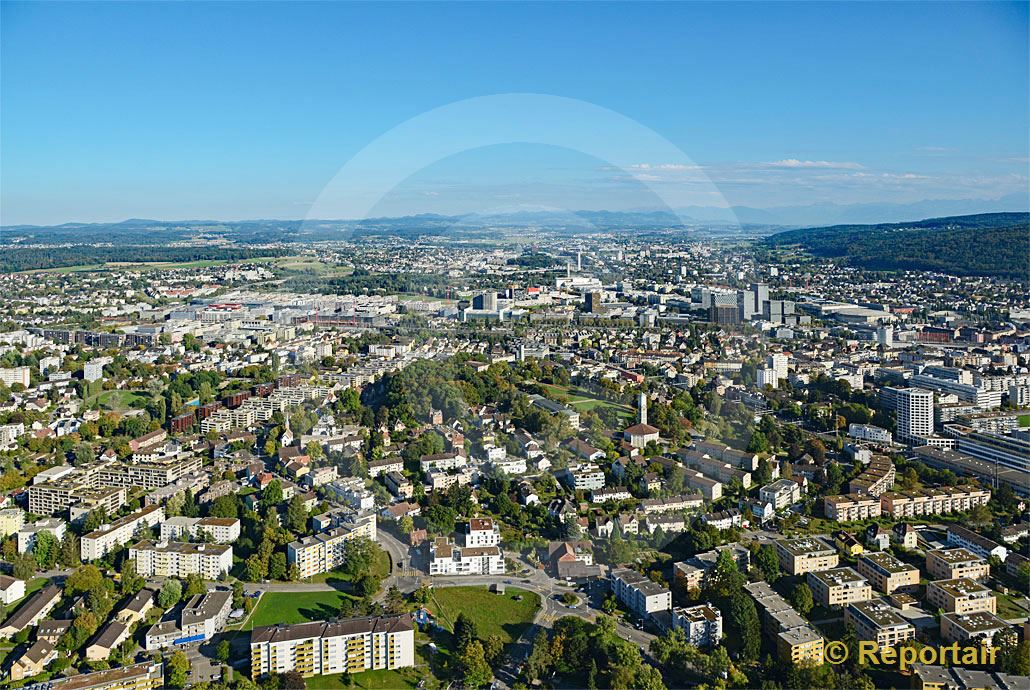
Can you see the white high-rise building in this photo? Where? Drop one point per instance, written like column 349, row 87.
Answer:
column 15, row 375
column 778, row 363
column 914, row 407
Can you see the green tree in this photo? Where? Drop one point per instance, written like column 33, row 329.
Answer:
column 24, row 566
column 170, row 594
column 223, row 652
column 272, row 495
column 745, row 625
column 296, row 515
column 277, row 566
column 475, row 671
column 768, row 563
column 45, row 550
column 464, row 631
column 132, row 582
column 802, row 598
column 177, row 670
column 194, row 585
column 69, row 551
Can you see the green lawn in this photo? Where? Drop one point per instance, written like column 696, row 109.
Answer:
column 1008, row 607
column 295, row 607
column 370, row 680
column 583, row 400
column 119, row 400
column 381, row 567
column 493, row 614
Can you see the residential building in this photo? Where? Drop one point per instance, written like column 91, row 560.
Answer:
column 796, row 641
column 878, row 622
column 145, row 676
column 782, row 493
column 325, row 551
column 935, row 501
column 977, row 543
column 951, row 564
column 914, row 410
column 886, row 573
column 107, row 640
column 839, row 587
column 28, row 533
column 806, row 554
column 32, row 611
column 961, row 678
column 482, row 532
column 11, row 590
column 201, row 618
column 11, row 520
column 107, row 537
column 875, row 479
column 851, row 507
column 977, row 628
column 868, row 432
column 961, row 596
column 318, row 648
column 640, row 594
column 447, row 559
column 584, row 476
column 179, row 559
column 34, row 661
column 220, row 530
column 701, row 624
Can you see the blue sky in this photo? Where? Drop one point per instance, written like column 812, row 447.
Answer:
column 238, row 110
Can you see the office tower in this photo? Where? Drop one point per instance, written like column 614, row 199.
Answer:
column 593, row 302
column 760, row 295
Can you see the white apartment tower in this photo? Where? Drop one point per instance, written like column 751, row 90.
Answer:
column 915, row 414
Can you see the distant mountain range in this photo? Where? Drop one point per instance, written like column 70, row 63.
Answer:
column 708, row 219
column 989, row 244
column 870, row 213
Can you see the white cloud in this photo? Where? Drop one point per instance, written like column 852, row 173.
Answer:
column 796, row 163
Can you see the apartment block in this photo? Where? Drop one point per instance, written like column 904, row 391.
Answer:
column 886, row 573
column 201, row 617
column 961, row 596
column 220, row 530
column 976, row 628
column 938, row 501
column 795, row 639
column 851, row 507
column 952, row 564
column 878, row 622
column 179, row 559
column 106, row 538
column 702, row 624
column 482, row 532
column 145, row 676
column 839, row 587
column 11, row 520
column 639, row 593
column 805, row 555
column 447, row 559
column 348, row 646
column 877, row 478
column 781, row 493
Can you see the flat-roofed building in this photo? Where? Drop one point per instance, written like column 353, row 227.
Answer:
column 886, row 572
column 979, row 627
column 201, row 618
column 106, row 538
column 936, row 501
column 639, row 593
column 839, row 587
column 851, row 507
column 795, row 639
column 220, row 530
column 325, row 551
column 11, row 520
column 351, row 645
column 701, row 624
column 926, row 677
column 878, row 622
column 145, row 676
column 180, row 559
column 961, row 596
column 875, row 479
column 781, row 493
column 806, row 554
column 951, row 564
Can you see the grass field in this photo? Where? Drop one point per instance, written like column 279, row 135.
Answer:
column 370, row 680
column 295, row 607
column 1010, row 607
column 583, row 400
column 119, row 400
column 493, row 614
column 381, row 567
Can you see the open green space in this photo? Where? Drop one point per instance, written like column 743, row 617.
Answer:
column 506, row 615
column 583, row 400
column 1011, row 607
column 295, row 607
column 381, row 567
column 370, row 680
column 119, row 400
